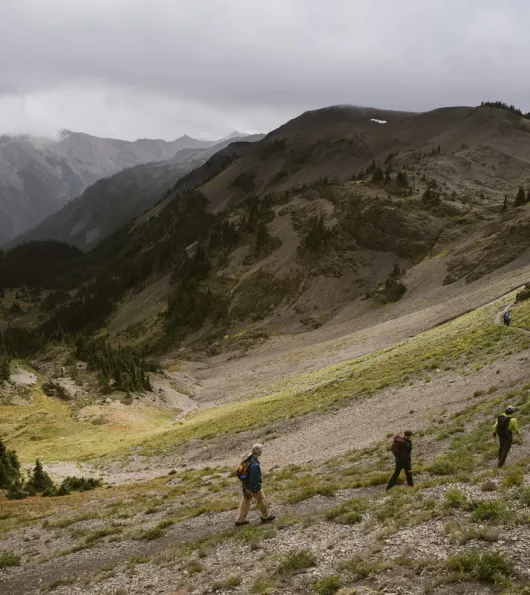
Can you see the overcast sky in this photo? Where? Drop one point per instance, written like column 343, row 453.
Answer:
column 163, row 68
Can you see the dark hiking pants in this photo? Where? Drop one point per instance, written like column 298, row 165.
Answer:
column 400, row 466
column 504, row 448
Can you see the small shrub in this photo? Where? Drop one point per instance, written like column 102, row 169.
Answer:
column 514, row 478
column 488, row 566
column 490, row 510
column 452, row 463
column 100, row 533
column 165, row 523
column 151, row 534
column 296, row 561
column 233, row 581
column 80, row 484
column 358, row 568
column 488, row 486
column 349, row 512
column 9, row 559
column 328, row 586
column 194, row 567
column 263, row 586
column 523, row 495
column 455, row 498
column 311, row 491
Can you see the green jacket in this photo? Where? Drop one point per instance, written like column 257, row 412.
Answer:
column 512, row 427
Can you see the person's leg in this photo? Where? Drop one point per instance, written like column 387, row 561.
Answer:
column 410, row 480
column 262, row 503
column 500, row 451
column 506, row 446
column 244, row 507
column 394, row 478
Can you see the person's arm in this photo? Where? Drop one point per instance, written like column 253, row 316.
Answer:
column 514, row 426
column 495, row 428
column 254, row 477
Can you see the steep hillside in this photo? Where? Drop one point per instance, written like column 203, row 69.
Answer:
column 283, row 257
column 39, row 176
column 112, row 202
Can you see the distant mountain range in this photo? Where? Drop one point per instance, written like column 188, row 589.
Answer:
column 113, row 201
column 40, row 176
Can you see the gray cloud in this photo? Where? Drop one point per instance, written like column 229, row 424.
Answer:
column 134, row 68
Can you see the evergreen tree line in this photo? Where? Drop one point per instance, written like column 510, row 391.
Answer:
column 191, row 302
column 38, row 264
column 506, row 107
column 37, row 481
column 125, row 368
column 317, row 236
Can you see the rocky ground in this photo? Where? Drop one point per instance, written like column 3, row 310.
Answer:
column 163, row 523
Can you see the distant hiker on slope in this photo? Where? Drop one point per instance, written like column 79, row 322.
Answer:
column 507, row 318
column 402, row 450
column 504, row 428
column 249, row 472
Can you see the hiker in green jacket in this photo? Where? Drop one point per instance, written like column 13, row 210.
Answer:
column 505, row 427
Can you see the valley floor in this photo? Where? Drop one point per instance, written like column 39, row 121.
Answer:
column 325, row 412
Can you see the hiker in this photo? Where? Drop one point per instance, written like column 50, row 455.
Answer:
column 402, row 450
column 504, row 428
column 249, row 472
column 507, row 318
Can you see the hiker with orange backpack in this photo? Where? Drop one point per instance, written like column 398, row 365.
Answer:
column 402, row 451
column 249, row 472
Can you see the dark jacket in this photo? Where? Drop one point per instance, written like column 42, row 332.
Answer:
column 404, row 456
column 254, row 475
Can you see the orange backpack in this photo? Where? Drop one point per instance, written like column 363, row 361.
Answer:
column 242, row 470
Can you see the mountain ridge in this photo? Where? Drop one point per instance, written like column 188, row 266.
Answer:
column 114, row 201
column 39, row 175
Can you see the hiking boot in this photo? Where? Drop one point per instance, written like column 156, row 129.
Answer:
column 269, row 519
column 241, row 523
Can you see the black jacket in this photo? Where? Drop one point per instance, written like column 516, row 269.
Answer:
column 404, row 456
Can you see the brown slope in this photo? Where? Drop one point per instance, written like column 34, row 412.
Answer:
column 341, row 141
column 484, row 154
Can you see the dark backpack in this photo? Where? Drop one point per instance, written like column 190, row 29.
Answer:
column 243, row 469
column 507, row 316
column 503, row 426
column 398, row 445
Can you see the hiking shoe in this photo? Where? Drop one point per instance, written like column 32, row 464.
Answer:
column 241, row 523
column 269, row 519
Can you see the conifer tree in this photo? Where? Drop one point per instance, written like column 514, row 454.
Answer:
column 378, row 174
column 39, row 481
column 520, row 199
column 9, row 466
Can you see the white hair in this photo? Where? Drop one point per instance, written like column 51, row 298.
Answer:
column 257, row 448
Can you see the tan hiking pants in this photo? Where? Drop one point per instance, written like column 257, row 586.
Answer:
column 246, row 501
